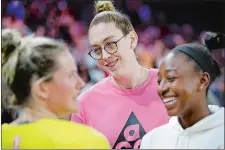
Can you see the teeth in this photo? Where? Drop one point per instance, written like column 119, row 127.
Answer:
column 169, row 99
column 170, row 102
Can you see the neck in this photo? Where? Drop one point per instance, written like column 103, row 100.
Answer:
column 193, row 116
column 34, row 113
column 132, row 79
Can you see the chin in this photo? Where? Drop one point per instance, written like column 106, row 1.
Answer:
column 118, row 72
column 73, row 109
column 69, row 112
column 113, row 73
column 172, row 112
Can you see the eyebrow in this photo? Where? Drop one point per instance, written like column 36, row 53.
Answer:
column 168, row 70
column 175, row 69
column 172, row 69
column 104, row 40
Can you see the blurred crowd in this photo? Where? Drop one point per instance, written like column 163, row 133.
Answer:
column 54, row 19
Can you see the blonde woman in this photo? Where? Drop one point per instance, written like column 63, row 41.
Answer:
column 43, row 78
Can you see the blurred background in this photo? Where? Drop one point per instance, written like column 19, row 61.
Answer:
column 160, row 24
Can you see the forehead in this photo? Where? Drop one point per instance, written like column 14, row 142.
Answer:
column 66, row 61
column 177, row 61
column 101, row 31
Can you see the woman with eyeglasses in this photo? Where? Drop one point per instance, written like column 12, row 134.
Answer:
column 125, row 105
column 43, row 78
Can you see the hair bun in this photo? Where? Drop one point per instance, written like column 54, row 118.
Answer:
column 214, row 40
column 105, row 5
column 11, row 39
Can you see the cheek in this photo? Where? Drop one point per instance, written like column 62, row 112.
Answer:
column 61, row 90
column 179, row 88
column 117, row 55
column 101, row 62
column 190, row 86
column 123, row 51
column 185, row 91
column 185, row 86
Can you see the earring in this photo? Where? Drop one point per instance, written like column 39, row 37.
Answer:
column 201, row 87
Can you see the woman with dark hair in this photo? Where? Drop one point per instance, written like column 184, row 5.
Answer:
column 184, row 77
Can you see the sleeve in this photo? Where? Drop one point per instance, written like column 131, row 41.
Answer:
column 146, row 142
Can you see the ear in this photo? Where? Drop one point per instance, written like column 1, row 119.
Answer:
column 204, row 80
column 40, row 90
column 134, row 39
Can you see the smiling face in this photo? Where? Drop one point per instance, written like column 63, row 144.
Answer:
column 121, row 61
column 179, row 84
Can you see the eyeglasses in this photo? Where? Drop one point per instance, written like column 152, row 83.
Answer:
column 110, row 48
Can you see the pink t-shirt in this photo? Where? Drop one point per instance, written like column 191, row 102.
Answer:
column 124, row 116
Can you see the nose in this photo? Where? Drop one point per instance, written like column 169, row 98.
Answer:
column 105, row 55
column 80, row 83
column 162, row 88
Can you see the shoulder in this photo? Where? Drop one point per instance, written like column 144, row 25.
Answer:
column 157, row 132
column 95, row 89
column 80, row 132
column 152, row 77
column 153, row 73
column 25, row 127
column 55, row 133
column 100, row 85
column 69, row 127
column 152, row 138
column 154, row 70
column 6, row 128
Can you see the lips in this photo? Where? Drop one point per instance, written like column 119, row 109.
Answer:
column 169, row 101
column 111, row 63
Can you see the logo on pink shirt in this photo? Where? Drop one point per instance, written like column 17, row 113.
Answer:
column 131, row 134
